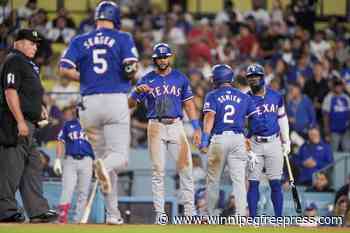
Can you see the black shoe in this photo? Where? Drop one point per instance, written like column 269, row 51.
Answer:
column 49, row 216
column 16, row 218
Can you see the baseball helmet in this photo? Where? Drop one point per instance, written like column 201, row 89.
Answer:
column 161, row 50
column 256, row 70
column 222, row 73
column 108, row 10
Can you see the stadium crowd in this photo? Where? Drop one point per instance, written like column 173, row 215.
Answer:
column 309, row 64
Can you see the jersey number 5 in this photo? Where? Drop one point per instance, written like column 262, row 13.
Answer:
column 229, row 112
column 100, row 63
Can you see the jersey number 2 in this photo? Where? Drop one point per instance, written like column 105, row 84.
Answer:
column 229, row 112
column 100, row 63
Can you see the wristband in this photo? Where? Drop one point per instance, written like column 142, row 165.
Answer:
column 195, row 124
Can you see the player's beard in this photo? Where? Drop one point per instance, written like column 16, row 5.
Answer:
column 163, row 67
column 256, row 88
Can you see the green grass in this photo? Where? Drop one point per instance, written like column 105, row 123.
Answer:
column 72, row 228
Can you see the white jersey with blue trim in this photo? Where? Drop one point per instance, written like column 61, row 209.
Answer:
column 99, row 57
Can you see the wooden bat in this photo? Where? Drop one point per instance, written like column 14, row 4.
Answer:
column 86, row 214
column 295, row 194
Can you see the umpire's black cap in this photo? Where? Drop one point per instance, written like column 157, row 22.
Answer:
column 28, row 34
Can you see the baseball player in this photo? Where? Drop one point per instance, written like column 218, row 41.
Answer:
column 225, row 110
column 165, row 92
column 269, row 136
column 105, row 62
column 77, row 165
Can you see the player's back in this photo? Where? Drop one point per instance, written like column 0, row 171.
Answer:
column 231, row 108
column 99, row 57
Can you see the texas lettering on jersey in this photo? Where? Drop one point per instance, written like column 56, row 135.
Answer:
column 170, row 91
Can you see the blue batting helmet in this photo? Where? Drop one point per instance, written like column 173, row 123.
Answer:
column 161, row 50
column 108, row 10
column 256, row 70
column 222, row 73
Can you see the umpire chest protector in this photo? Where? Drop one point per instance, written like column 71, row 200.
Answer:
column 20, row 73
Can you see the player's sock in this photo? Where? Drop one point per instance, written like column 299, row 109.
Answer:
column 253, row 197
column 277, row 196
column 63, row 215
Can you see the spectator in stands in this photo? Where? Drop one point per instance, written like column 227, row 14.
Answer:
column 39, row 21
column 61, row 32
column 47, row 169
column 343, row 191
column 320, row 184
column 228, row 13
column 341, row 208
column 5, row 10
column 260, row 15
column 87, row 24
column 317, row 89
column 300, row 111
column 336, row 116
column 65, row 93
column 301, row 72
column 202, row 42
column 345, row 73
column 62, row 12
column 27, row 10
column 247, row 43
column 313, row 155
column 319, row 46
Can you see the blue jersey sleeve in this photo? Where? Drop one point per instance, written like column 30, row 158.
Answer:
column 210, row 104
column 139, row 97
column 281, row 108
column 251, row 109
column 187, row 90
column 128, row 49
column 70, row 56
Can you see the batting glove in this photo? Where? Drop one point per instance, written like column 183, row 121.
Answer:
column 286, row 148
column 252, row 160
column 57, row 167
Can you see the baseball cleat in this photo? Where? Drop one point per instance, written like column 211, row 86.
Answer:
column 114, row 221
column 102, row 177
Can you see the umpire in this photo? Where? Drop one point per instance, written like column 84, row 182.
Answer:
column 20, row 109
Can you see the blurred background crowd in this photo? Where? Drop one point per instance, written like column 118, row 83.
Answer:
column 306, row 56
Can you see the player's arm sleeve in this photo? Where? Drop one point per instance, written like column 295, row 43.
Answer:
column 128, row 50
column 11, row 74
column 283, row 122
column 187, row 91
column 209, row 104
column 70, row 56
column 251, row 109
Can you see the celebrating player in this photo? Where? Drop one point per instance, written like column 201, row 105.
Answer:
column 104, row 61
column 225, row 110
column 166, row 92
column 269, row 139
column 77, row 165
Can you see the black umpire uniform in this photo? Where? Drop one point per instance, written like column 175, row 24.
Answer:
column 20, row 164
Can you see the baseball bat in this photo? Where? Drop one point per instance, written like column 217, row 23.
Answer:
column 86, row 214
column 295, row 194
